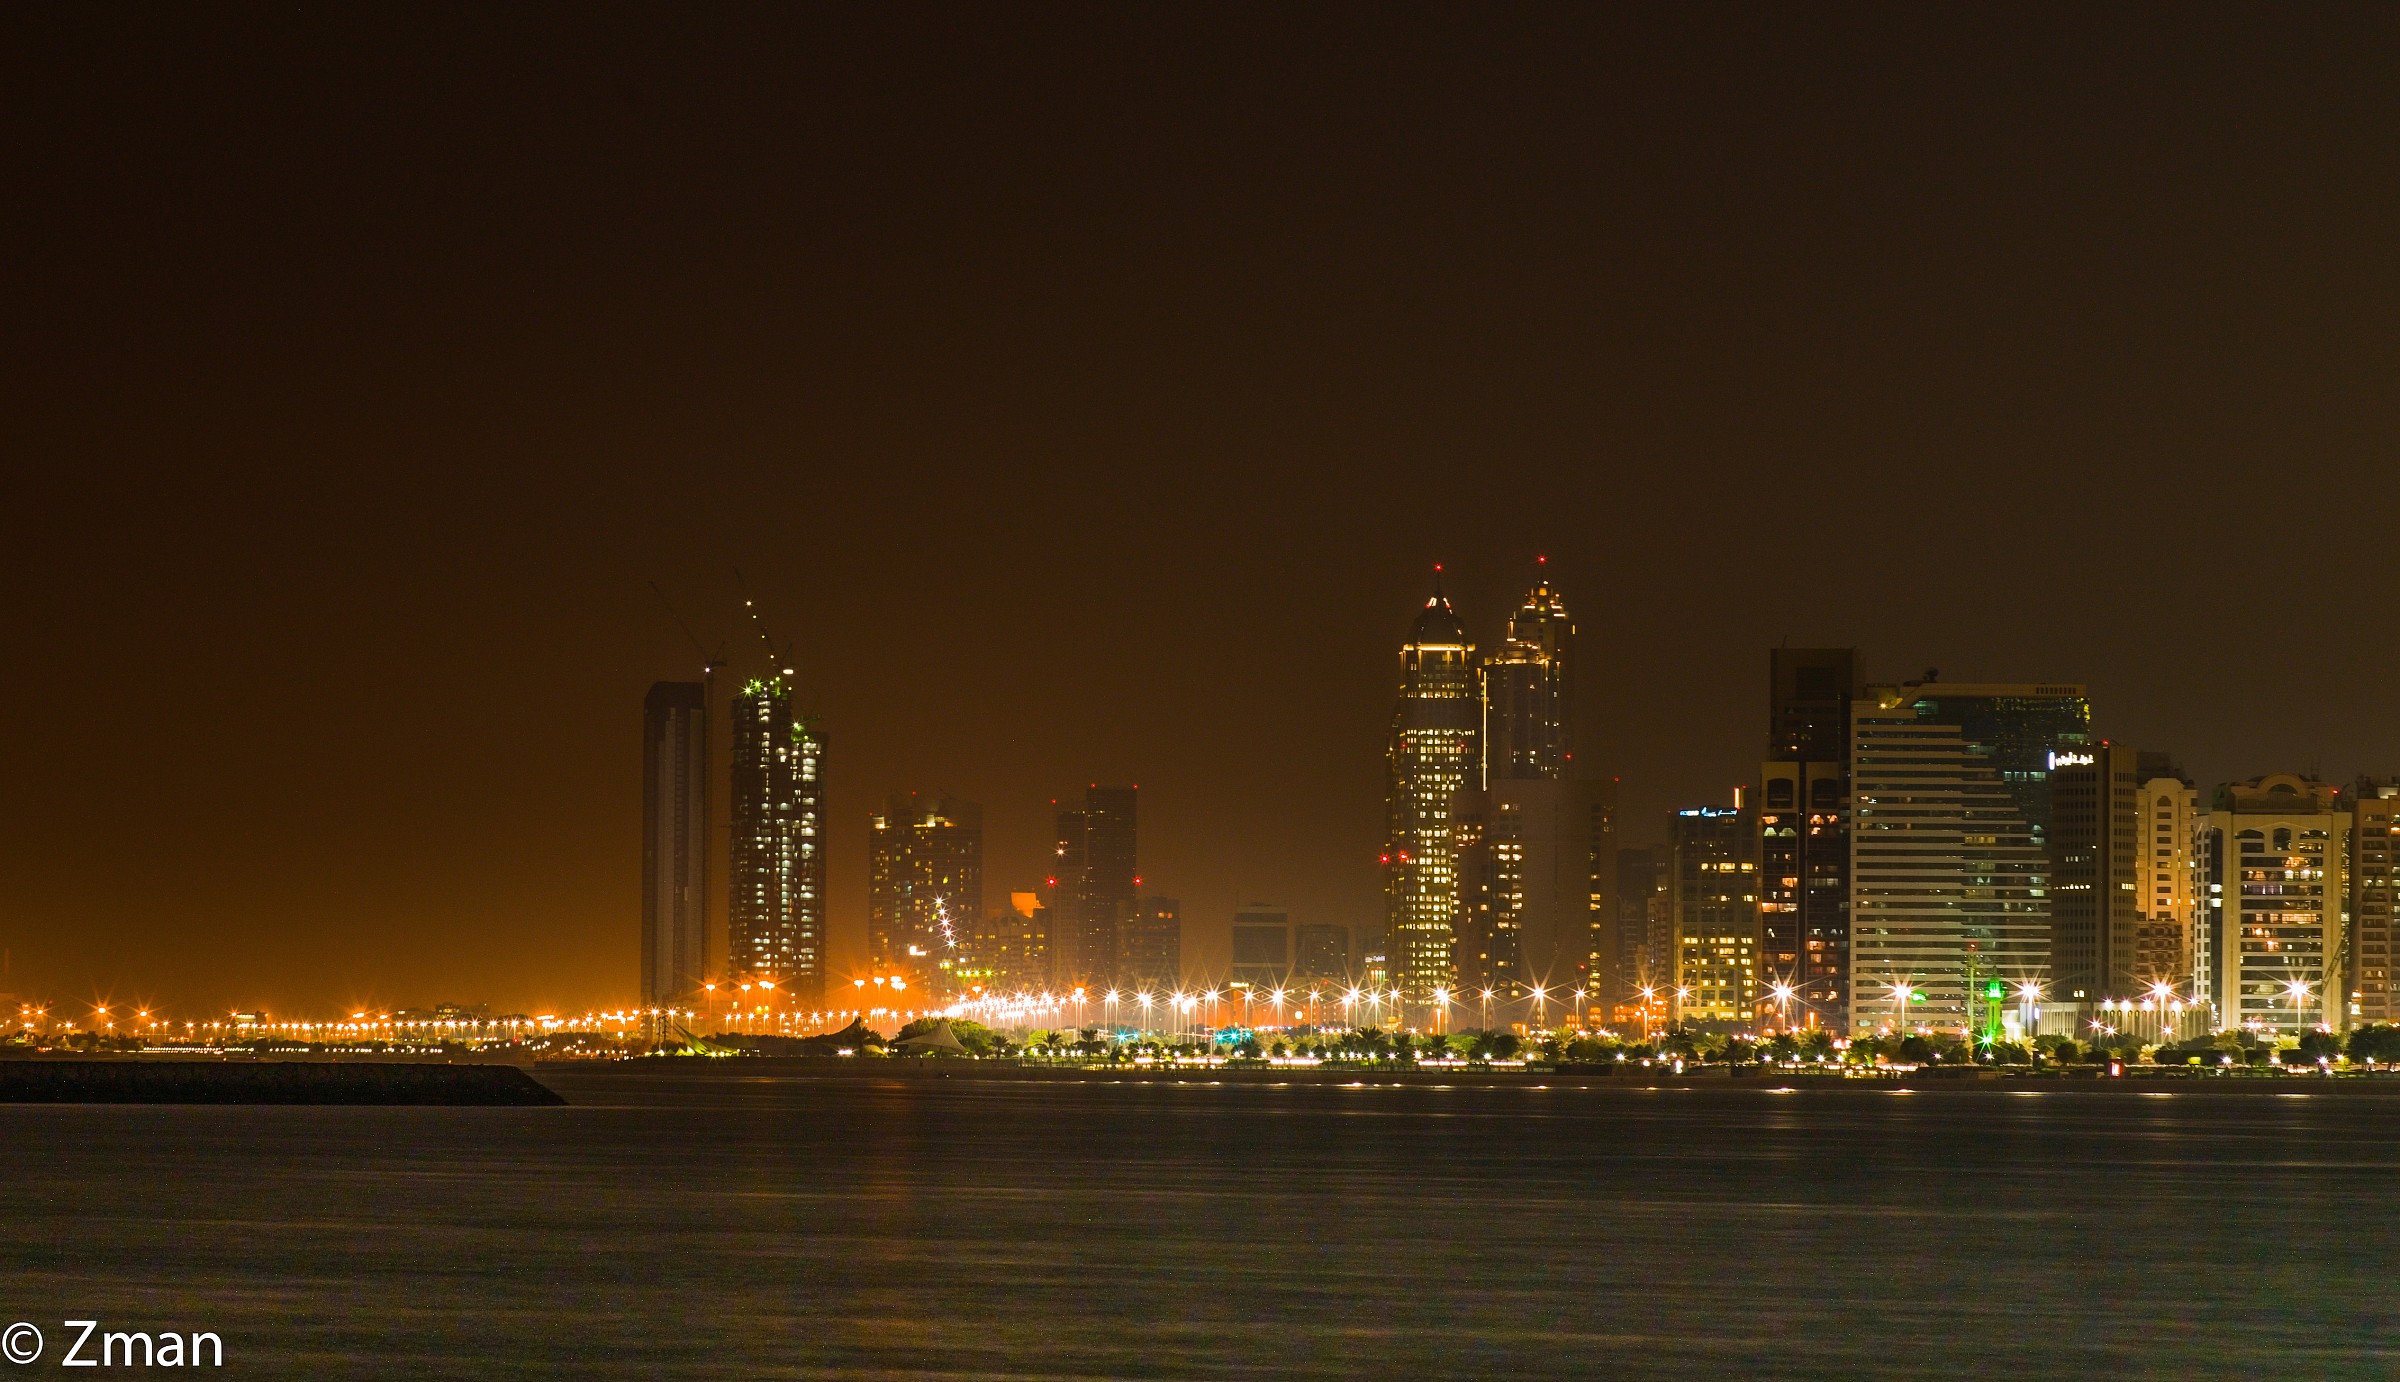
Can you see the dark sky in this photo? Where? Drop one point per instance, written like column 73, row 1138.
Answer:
column 1088, row 391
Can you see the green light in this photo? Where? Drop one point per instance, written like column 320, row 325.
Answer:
column 1992, row 990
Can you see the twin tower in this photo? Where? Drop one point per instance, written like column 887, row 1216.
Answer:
column 1499, row 853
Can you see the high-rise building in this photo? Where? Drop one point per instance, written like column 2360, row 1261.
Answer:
column 1262, row 947
column 924, row 887
column 1151, row 946
column 2172, row 832
column 2123, row 878
column 1949, row 912
column 1434, row 753
column 1713, row 895
column 775, row 910
column 2097, row 868
column 2374, row 833
column 1535, row 865
column 1094, row 888
column 1320, row 953
column 674, row 843
column 2279, row 847
column 2016, row 728
column 1641, row 952
column 1011, row 949
column 1804, row 837
column 1529, row 708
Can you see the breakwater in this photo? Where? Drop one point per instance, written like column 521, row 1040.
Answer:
column 266, row 1082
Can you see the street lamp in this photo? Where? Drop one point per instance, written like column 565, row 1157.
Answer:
column 1783, row 1004
column 1901, row 995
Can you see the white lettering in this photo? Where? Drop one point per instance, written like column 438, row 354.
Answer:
column 108, row 1350
column 71, row 1361
column 219, row 1360
column 170, row 1349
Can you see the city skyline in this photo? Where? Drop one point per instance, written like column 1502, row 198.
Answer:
column 359, row 414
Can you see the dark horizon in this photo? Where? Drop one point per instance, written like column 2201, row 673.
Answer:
column 1088, row 394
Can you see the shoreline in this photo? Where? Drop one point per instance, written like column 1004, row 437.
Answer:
column 868, row 1070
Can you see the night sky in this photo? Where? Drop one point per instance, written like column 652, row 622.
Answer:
column 1088, row 392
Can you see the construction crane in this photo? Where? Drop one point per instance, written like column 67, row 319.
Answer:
column 775, row 661
column 710, row 665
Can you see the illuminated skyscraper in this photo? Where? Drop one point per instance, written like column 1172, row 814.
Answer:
column 1433, row 753
column 1804, row 838
column 1150, row 946
column 775, row 908
column 1094, row 888
column 1949, row 885
column 674, row 843
column 2279, row 851
column 1535, row 865
column 1714, row 899
column 1529, row 692
column 2018, row 730
column 2123, row 832
column 924, row 887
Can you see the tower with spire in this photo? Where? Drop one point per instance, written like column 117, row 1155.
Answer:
column 1434, row 752
column 1529, row 723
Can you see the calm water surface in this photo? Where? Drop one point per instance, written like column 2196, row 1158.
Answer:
column 716, row 1226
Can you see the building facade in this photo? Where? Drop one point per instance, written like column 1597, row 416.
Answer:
column 924, row 888
column 1529, row 700
column 2172, row 839
column 1262, row 947
column 1713, row 897
column 2374, row 831
column 775, row 905
column 1949, row 905
column 1094, row 887
column 2279, row 849
column 1804, row 838
column 1536, row 865
column 1011, row 950
column 2098, row 866
column 1320, row 954
column 1152, row 946
column 675, row 844
column 1433, row 753
column 2017, row 729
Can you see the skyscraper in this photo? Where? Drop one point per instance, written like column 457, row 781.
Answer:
column 924, row 887
column 1011, row 949
column 1535, row 866
column 1433, row 753
column 2374, row 831
column 674, row 843
column 1262, row 947
column 775, row 909
column 2015, row 728
column 1804, row 837
column 1642, row 953
column 1094, row 887
column 1320, row 953
column 1948, row 884
column 1714, row 899
column 1151, row 946
column 2169, row 846
column 2096, row 873
column 1529, row 710
column 2278, row 849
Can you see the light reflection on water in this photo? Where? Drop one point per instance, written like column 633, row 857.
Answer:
column 736, row 1226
